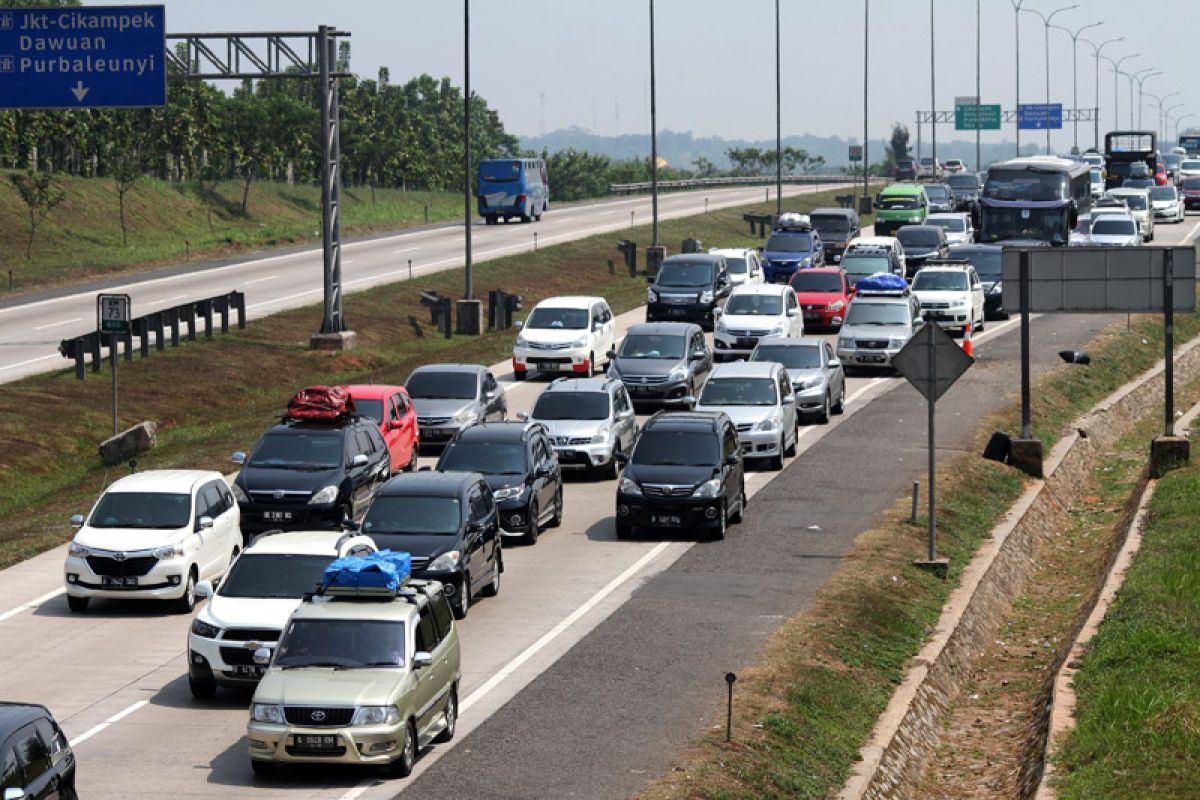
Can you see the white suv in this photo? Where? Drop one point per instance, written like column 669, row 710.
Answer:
column 253, row 603
column 565, row 334
column 743, row 265
column 753, row 312
column 950, row 295
column 153, row 536
column 1141, row 208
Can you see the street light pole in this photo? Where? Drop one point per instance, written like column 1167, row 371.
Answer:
column 653, row 139
column 1046, row 19
column 866, row 157
column 778, row 125
column 1096, row 48
column 978, row 155
column 1116, row 93
column 1167, row 113
column 1177, row 121
column 932, row 91
column 1016, row 4
column 1141, row 80
column 1075, row 73
column 1162, row 116
column 469, row 289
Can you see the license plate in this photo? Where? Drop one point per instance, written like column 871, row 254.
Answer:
column 681, row 299
column 564, row 453
column 811, row 317
column 548, row 366
column 247, row 671
column 318, row 741
column 119, row 583
column 746, row 342
column 668, row 520
column 677, row 312
column 872, row 359
column 641, row 390
column 277, row 516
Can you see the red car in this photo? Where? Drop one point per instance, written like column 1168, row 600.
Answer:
column 1160, row 174
column 393, row 408
column 823, row 293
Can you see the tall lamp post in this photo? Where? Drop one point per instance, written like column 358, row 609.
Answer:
column 778, row 125
column 932, row 92
column 1116, row 65
column 1140, row 81
column 653, row 139
column 1075, row 74
column 978, row 156
column 1134, row 76
column 1167, row 114
column 1096, row 48
column 1016, row 4
column 1162, row 116
column 469, row 289
column 1179, row 120
column 1046, row 18
column 866, row 158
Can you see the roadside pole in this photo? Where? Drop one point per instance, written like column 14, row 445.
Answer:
column 931, row 403
column 112, row 351
column 113, row 316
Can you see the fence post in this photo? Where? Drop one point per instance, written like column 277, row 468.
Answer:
column 93, row 342
column 239, row 303
column 157, row 320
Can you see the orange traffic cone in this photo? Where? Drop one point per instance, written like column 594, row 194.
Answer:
column 966, row 342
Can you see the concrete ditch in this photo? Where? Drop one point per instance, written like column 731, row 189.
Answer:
column 909, row 729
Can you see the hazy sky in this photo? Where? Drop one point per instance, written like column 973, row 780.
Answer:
column 715, row 58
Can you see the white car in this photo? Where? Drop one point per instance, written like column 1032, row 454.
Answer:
column 950, row 295
column 1139, row 205
column 565, row 334
column 743, row 265
column 1188, row 168
column 254, row 601
column 1168, row 204
column 1097, row 179
column 888, row 242
column 154, row 535
column 958, row 227
column 1081, row 233
column 954, row 166
column 754, row 312
column 1114, row 230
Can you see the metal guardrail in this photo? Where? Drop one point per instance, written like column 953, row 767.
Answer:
column 157, row 323
column 753, row 180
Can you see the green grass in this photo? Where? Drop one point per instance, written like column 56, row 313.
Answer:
column 168, row 223
column 1137, row 729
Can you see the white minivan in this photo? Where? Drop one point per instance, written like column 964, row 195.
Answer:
column 754, row 312
column 565, row 334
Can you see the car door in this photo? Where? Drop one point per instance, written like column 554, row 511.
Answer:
column 476, row 556
column 490, row 518
column 976, row 296
column 360, row 475
column 495, row 403
column 795, row 319
column 837, row 373
column 210, row 554
column 445, row 658
column 787, row 400
column 390, row 430
column 33, row 757
column 545, row 462
column 753, row 267
column 11, row 775
column 732, row 473
column 626, row 419
column 699, row 366
column 429, row 683
column 226, row 533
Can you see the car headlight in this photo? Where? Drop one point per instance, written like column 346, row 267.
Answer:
column 238, row 493
column 522, row 341
column 267, row 712
column 768, row 424
column 600, row 437
column 204, row 629
column 778, row 330
column 706, row 296
column 914, row 219
column 445, row 562
column 836, row 305
column 580, row 342
column 896, row 343
column 629, row 487
column 78, row 550
column 805, row 263
column 376, row 715
column 677, row 374
column 508, row 492
column 651, row 296
column 957, row 303
column 845, row 344
column 708, row 488
column 327, row 495
column 810, row 383
column 466, row 415
column 169, row 552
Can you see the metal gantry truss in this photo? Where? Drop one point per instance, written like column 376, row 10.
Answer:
column 270, row 55
column 1007, row 115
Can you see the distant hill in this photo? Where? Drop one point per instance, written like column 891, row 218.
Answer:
column 683, row 149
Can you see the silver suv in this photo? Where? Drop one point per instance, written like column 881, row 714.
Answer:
column 588, row 420
column 877, row 325
column 758, row 397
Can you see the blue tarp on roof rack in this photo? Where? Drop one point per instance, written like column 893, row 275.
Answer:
column 883, row 282
column 386, row 570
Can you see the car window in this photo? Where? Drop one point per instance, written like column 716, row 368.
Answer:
column 828, row 353
column 53, row 736
column 32, row 753
column 10, row 770
column 729, row 443
column 442, row 615
column 479, row 509
column 427, row 633
column 791, row 300
column 376, row 438
column 541, row 451
column 785, row 386
column 209, row 503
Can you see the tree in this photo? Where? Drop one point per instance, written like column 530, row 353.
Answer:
column 705, row 168
column 206, row 185
column 126, row 171
column 897, row 147
column 746, row 160
column 40, row 194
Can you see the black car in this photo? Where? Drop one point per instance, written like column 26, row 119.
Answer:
column 448, row 523
column 837, row 227
column 921, row 243
column 986, row 258
column 906, row 169
column 517, row 460
column 36, row 761
column 964, row 188
column 941, row 198
column 685, row 472
column 664, row 362
column 688, row 288
column 309, row 474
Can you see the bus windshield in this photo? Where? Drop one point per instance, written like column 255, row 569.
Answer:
column 1045, row 224
column 499, row 171
column 1025, row 184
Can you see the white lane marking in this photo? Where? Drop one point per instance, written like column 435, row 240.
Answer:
column 29, row 361
column 56, row 324
column 1192, row 233
column 168, row 300
column 115, row 718
column 12, row 612
column 260, row 280
column 360, row 790
column 284, row 299
column 406, row 249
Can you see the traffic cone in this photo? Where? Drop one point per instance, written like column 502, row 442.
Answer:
column 966, row 342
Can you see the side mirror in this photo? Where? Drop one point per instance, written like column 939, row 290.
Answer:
column 204, row 523
column 77, row 520
column 542, row 472
column 489, row 395
column 650, row 279
column 522, row 416
column 718, row 312
column 396, row 424
column 519, row 324
column 204, row 589
column 834, row 363
column 422, row 659
column 238, row 457
column 793, row 312
column 620, row 457
column 359, row 460
column 698, row 355
column 789, row 400
column 731, row 460
column 610, row 355
column 262, row 656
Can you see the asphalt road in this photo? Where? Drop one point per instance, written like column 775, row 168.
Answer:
column 32, row 327
column 599, row 660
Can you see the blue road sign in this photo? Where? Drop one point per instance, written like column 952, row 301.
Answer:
column 1039, row 116
column 83, row 57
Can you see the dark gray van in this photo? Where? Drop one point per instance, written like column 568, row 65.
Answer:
column 837, row 227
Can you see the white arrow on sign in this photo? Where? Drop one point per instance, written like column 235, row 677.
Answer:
column 79, row 90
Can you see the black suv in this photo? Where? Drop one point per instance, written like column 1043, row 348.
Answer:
column 449, row 525
column 304, row 475
column 36, row 760
column 922, row 243
column 837, row 227
column 518, row 462
column 688, row 288
column 686, row 472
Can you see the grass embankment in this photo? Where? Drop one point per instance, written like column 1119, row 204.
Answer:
column 1137, row 733
column 810, row 702
column 212, row 397
column 168, row 223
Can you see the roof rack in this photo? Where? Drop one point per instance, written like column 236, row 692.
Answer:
column 882, row 284
column 379, row 576
column 949, row 261
column 792, row 221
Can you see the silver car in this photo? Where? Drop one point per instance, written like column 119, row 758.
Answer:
column 589, row 421
column 758, row 397
column 450, row 397
column 818, row 380
column 877, row 325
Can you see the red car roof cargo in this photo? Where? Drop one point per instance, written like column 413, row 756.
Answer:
column 320, row 403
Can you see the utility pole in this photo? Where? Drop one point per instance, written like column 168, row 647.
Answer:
column 1096, row 48
column 932, row 92
column 866, row 160
column 1075, row 75
column 653, row 138
column 978, row 96
column 469, row 290
column 778, row 124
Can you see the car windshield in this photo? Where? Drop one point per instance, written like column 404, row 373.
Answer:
column 438, row 385
column 952, row 224
column 1191, row 184
column 735, row 265
column 685, row 274
column 571, row 405
column 987, row 263
column 937, row 193
column 899, row 203
column 789, row 243
column 677, row 448
column 962, row 182
column 866, row 265
column 489, row 458
column 940, row 281
column 142, row 510
column 1108, row 225
column 861, row 313
column 341, row 643
column 918, row 238
column 297, row 451
column 274, row 576
column 808, row 281
column 500, row 171
column 369, row 407
column 738, row 392
column 1025, row 184
column 1190, row 164
column 832, row 225
column 412, row 515
column 543, row 317
column 1173, row 160
column 653, row 345
column 795, row 357
column 1136, row 202
column 1163, row 193
column 926, row 162
column 755, row 305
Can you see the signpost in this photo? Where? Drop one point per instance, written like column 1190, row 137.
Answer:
column 968, row 117
column 932, row 362
column 114, row 313
column 856, row 152
column 1040, row 116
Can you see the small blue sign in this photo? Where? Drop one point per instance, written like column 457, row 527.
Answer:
column 83, row 57
column 1039, row 116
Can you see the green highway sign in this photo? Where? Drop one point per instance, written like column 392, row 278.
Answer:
column 968, row 117
column 113, row 313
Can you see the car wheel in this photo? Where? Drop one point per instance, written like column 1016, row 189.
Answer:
column 462, row 598
column 78, row 604
column 411, row 466
column 776, row 462
column 532, row 529
column 402, row 767
column 791, row 450
column 718, row 533
column 451, row 717
column 187, row 601
column 740, row 514
column 840, row 406
column 823, row 414
column 556, row 520
column 202, row 689
column 613, row 470
column 591, row 370
column 624, row 530
column 493, row 587
column 262, row 768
